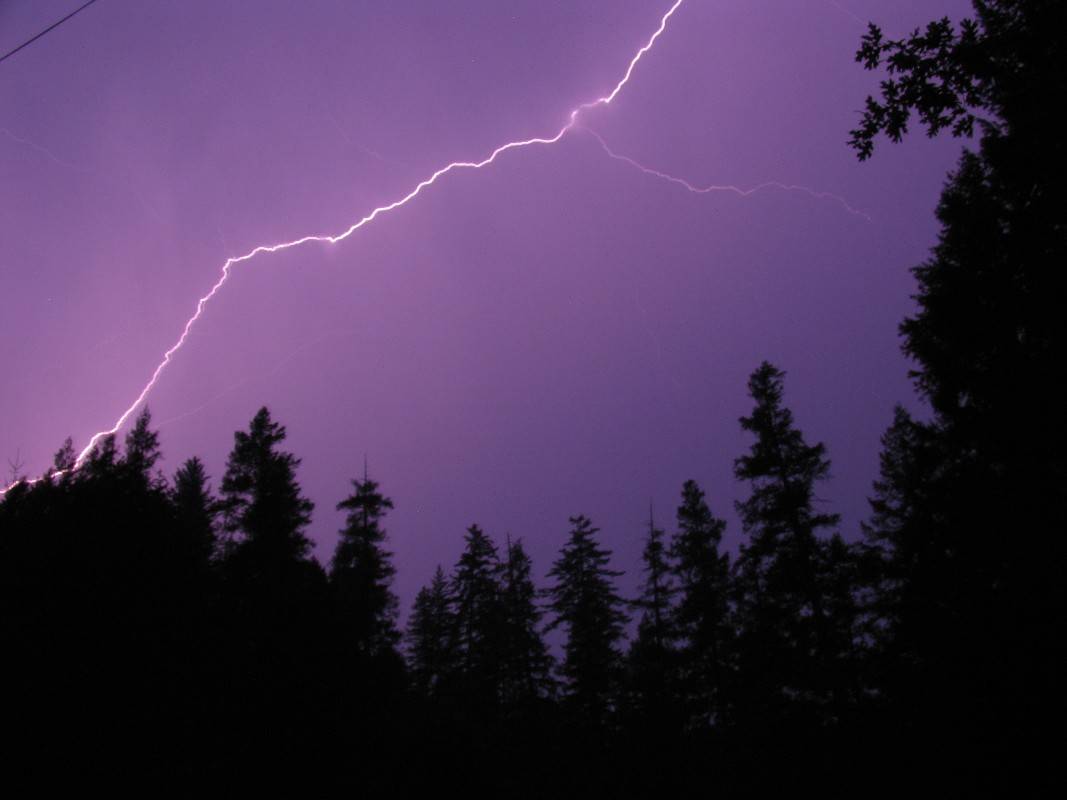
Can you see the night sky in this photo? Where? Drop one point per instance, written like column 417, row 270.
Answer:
column 557, row 333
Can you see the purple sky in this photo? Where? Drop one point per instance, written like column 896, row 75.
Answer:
column 557, row 333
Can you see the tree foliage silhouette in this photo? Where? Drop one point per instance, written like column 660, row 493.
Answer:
column 703, row 613
column 780, row 603
column 478, row 610
column 195, row 510
column 431, row 637
column 972, row 620
column 362, row 572
column 652, row 659
column 527, row 666
column 588, row 607
column 261, row 499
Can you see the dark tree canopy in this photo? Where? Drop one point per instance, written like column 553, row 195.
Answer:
column 526, row 663
column 780, row 604
column 652, row 659
column 478, row 610
column 655, row 628
column 142, row 448
column 970, row 594
column 590, row 610
column 362, row 571
column 195, row 509
column 261, row 499
column 430, row 636
column 703, row 612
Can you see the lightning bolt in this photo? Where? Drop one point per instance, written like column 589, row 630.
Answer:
column 788, row 187
column 227, row 267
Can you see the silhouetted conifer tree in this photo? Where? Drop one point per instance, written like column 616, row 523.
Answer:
column 430, row 637
column 142, row 450
column 100, row 463
column 195, row 510
column 362, row 572
column 64, row 459
column 703, row 613
column 478, row 609
column 261, row 498
column 277, row 597
column 652, row 659
column 589, row 609
column 526, row 662
column 780, row 603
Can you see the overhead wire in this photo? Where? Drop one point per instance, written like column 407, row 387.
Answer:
column 51, row 27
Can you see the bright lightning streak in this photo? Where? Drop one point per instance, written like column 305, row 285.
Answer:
column 334, row 239
column 789, row 187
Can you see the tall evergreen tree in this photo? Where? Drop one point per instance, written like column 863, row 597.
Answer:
column 780, row 603
column 652, row 656
column 478, row 608
column 261, row 499
column 279, row 650
column 526, row 661
column 65, row 458
column 703, row 614
column 588, row 607
column 142, row 450
column 195, row 510
column 362, row 572
column 430, row 637
column 101, row 461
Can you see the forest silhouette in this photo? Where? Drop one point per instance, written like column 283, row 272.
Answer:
column 158, row 628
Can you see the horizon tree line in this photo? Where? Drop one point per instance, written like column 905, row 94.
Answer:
column 228, row 582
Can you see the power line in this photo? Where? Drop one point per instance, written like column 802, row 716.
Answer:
column 51, row 27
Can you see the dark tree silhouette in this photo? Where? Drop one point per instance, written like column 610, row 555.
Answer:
column 478, row 609
column 978, row 668
column 652, row 660
column 430, row 637
column 261, row 499
column 142, row 450
column 527, row 666
column 589, row 609
column 780, row 604
column 195, row 510
column 277, row 597
column 703, row 613
column 64, row 459
column 101, row 461
column 362, row 573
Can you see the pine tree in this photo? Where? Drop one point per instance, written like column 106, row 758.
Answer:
column 478, row 608
column 195, row 510
column 142, row 450
column 702, row 616
column 262, row 501
column 65, row 458
column 430, row 645
column 652, row 657
column 102, row 460
column 362, row 572
column 526, row 662
column 588, row 607
column 779, row 594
